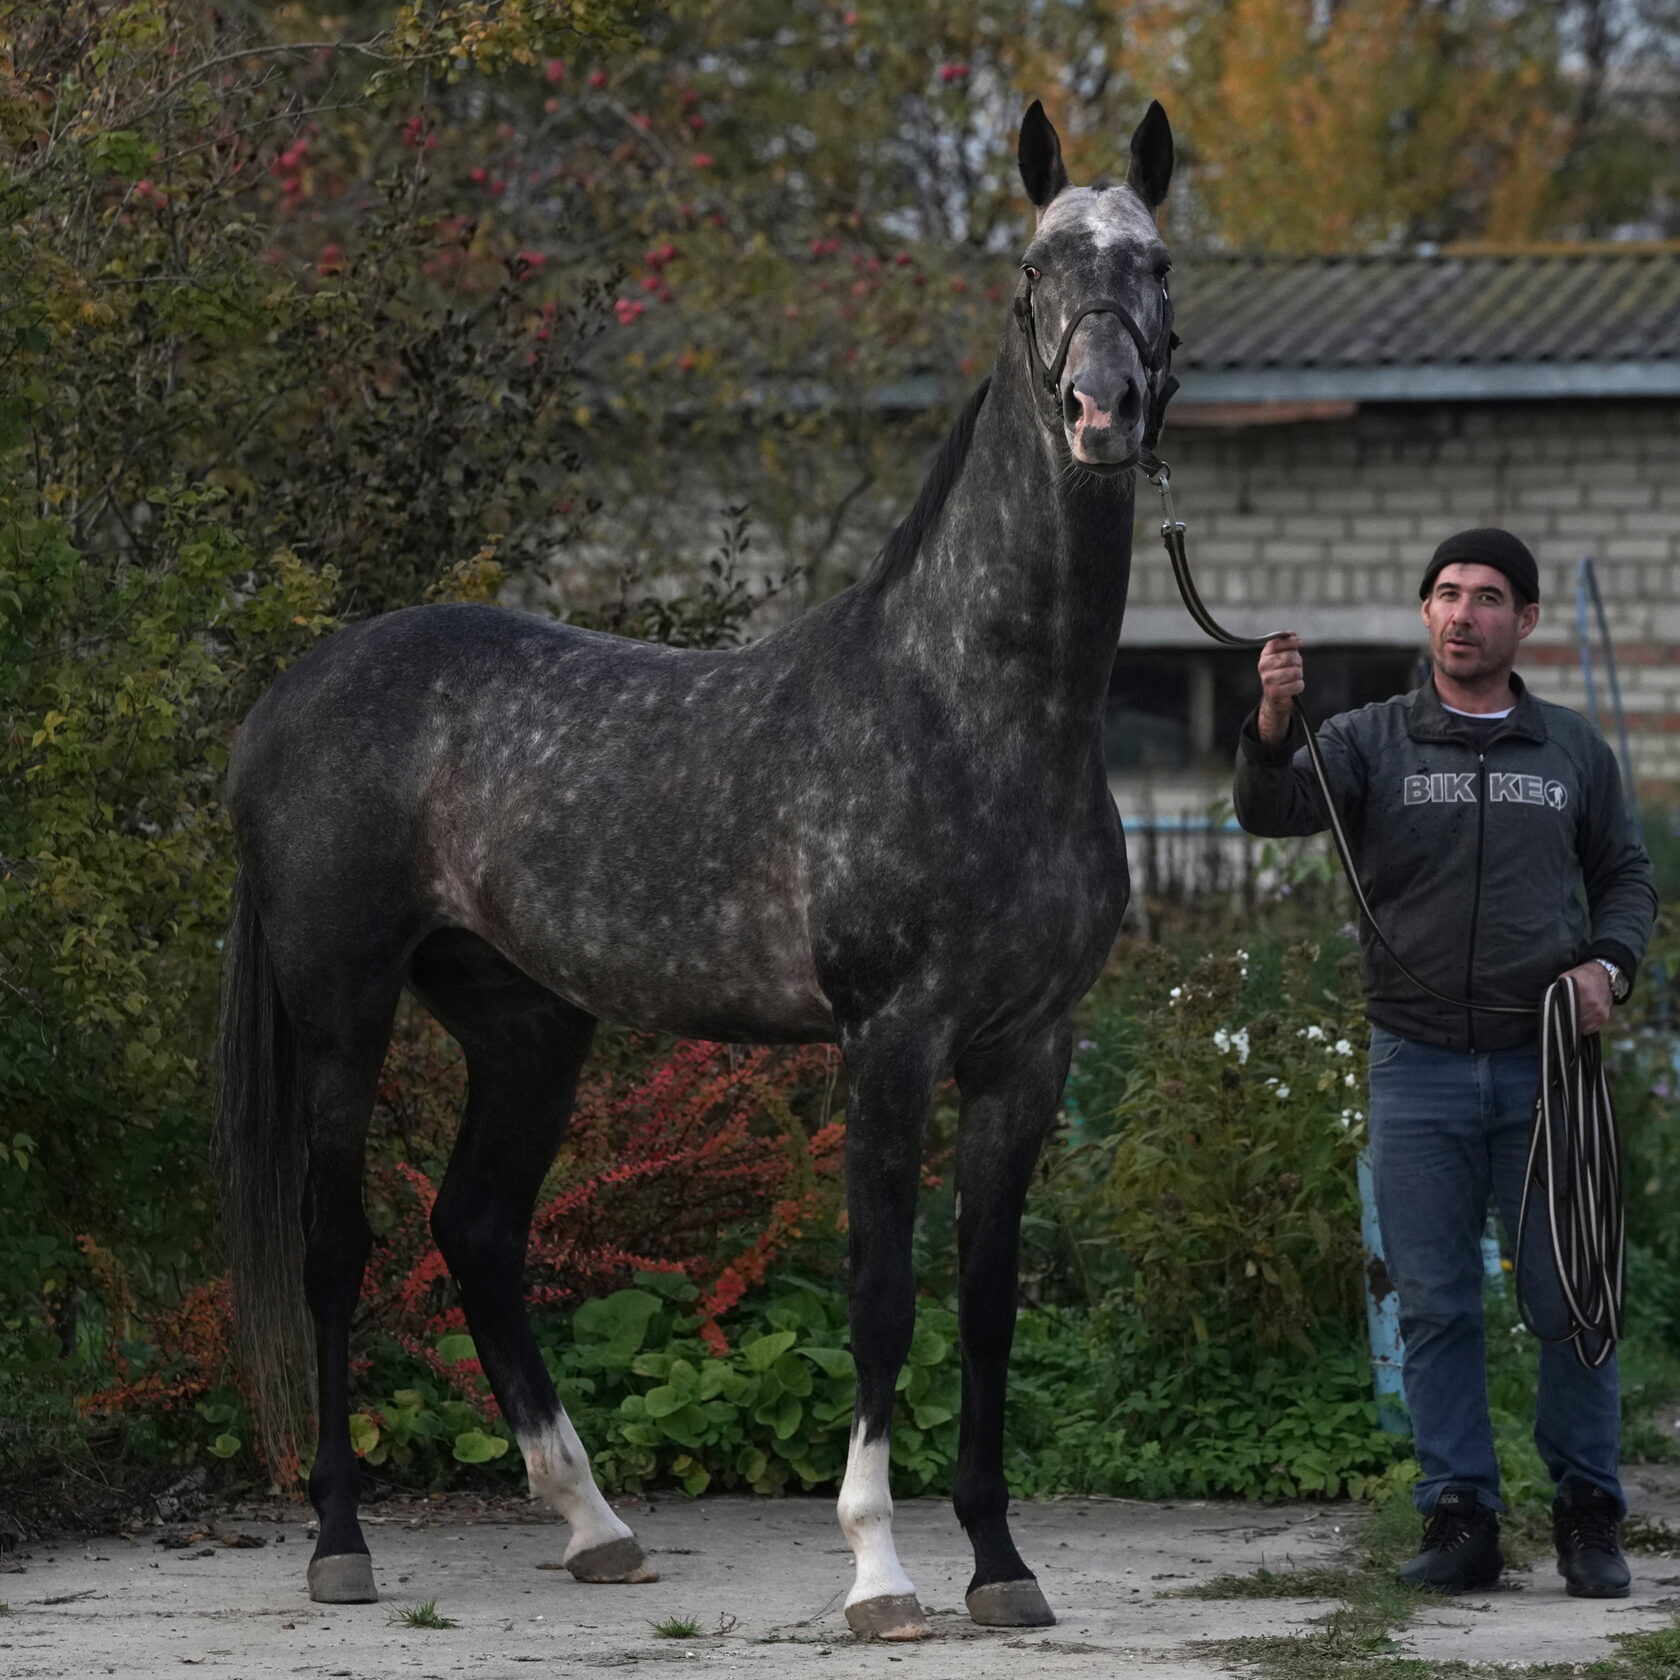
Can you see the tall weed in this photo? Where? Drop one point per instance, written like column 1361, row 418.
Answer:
column 1205, row 1183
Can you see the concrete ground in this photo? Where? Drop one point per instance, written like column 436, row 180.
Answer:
column 763, row 1578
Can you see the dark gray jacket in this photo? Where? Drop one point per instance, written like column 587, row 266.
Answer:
column 1490, row 872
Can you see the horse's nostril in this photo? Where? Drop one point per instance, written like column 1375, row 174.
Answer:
column 1071, row 406
column 1131, row 404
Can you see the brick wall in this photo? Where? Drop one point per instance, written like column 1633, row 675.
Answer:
column 1327, row 526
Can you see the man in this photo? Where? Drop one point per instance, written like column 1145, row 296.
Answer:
column 1491, row 835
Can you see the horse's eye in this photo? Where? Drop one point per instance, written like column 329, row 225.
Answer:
column 1031, row 272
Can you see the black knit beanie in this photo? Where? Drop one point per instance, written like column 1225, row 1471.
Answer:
column 1488, row 546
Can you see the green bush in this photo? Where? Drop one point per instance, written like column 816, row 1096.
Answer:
column 658, row 1403
column 1205, row 1185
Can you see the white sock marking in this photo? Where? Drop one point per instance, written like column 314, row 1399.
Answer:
column 865, row 1512
column 559, row 1471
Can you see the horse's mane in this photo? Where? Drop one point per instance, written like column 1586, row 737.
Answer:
column 902, row 547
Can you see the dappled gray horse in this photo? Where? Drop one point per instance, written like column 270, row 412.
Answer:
column 886, row 825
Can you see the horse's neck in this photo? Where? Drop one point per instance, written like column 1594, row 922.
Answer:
column 1015, row 602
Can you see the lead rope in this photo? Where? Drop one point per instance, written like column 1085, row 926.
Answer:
column 1574, row 1162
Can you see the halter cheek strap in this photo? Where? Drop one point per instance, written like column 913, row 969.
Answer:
column 1156, row 356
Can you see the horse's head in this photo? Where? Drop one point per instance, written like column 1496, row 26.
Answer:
column 1093, row 300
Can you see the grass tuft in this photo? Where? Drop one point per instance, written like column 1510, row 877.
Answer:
column 1321, row 1581
column 1650, row 1656
column 421, row 1616
column 676, row 1627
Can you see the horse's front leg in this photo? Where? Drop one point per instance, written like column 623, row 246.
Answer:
column 892, row 1074
column 1009, row 1103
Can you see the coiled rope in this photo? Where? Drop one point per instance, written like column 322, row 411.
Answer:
column 1574, row 1179
column 1574, row 1185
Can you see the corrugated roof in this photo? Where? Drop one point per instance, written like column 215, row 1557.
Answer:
column 1584, row 321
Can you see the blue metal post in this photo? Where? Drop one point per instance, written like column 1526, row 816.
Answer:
column 1382, row 1312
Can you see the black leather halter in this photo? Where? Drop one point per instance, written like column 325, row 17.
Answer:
column 1155, row 354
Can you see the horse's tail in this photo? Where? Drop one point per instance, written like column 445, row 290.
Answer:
column 261, row 1151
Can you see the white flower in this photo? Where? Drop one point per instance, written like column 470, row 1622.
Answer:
column 1311, row 1034
column 1281, row 1093
column 1342, row 1047
column 1225, row 1042
column 1347, row 1079
column 1347, row 1117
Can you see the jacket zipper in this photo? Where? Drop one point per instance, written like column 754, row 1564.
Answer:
column 1476, row 895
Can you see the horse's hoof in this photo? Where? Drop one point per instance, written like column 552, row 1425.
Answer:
column 344, row 1579
column 618, row 1561
column 895, row 1616
column 1010, row 1604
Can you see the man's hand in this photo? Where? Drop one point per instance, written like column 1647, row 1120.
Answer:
column 1281, row 679
column 1592, row 996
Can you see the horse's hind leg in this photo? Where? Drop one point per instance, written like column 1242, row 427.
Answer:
column 1008, row 1105
column 524, row 1050
column 341, row 1043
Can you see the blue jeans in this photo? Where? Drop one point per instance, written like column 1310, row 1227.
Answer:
column 1448, row 1129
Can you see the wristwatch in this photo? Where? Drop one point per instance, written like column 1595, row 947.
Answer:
column 1619, row 987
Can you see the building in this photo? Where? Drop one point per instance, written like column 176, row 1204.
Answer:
column 1338, row 417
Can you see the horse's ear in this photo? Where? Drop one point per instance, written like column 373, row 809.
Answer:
column 1040, row 153
column 1152, row 156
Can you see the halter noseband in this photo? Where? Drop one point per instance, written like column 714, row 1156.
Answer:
column 1155, row 355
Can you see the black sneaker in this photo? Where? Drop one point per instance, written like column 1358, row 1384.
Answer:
column 1587, row 1524
column 1460, row 1551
